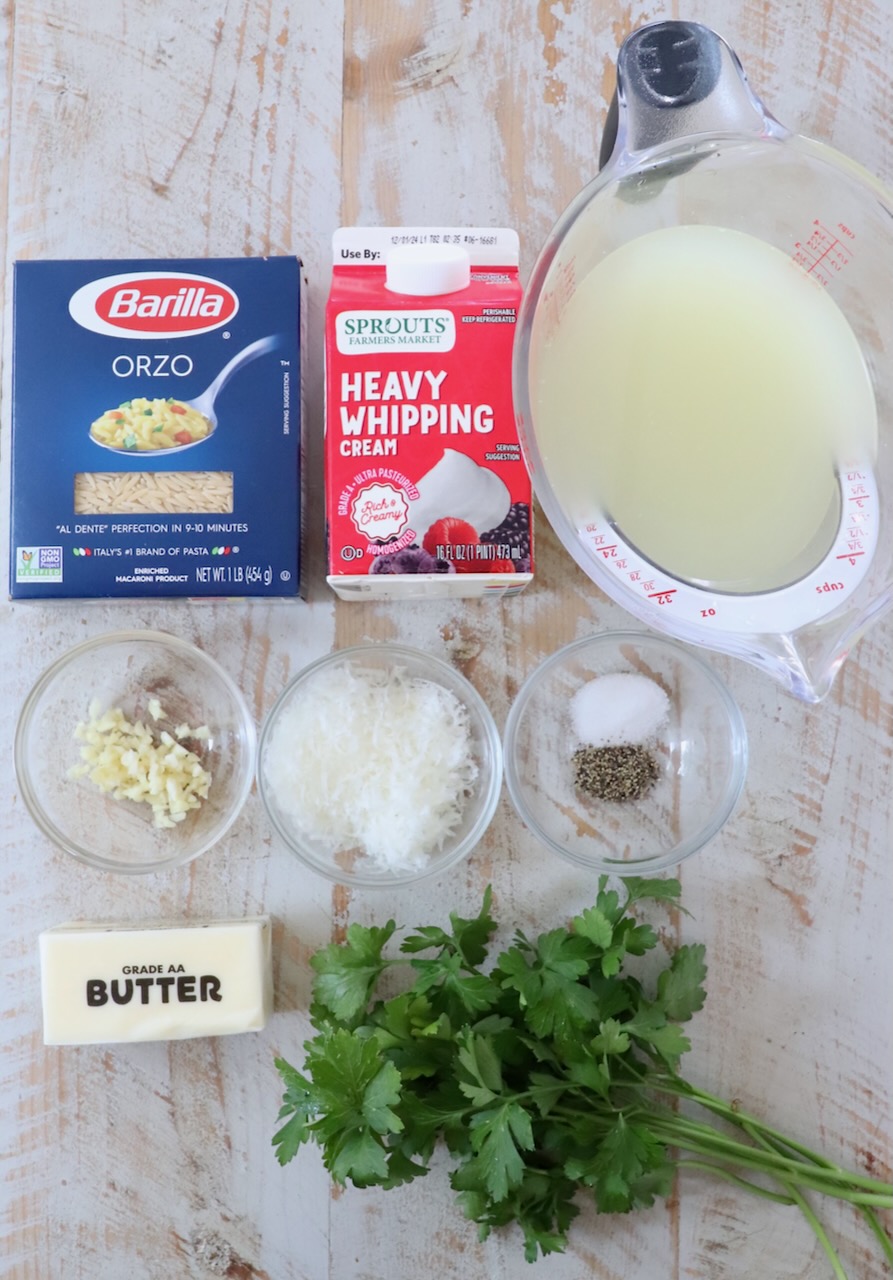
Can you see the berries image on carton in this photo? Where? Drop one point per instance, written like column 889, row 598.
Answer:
column 427, row 491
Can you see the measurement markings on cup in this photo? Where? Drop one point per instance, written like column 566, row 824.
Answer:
column 825, row 254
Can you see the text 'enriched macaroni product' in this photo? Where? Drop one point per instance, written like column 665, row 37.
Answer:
column 157, row 424
column 427, row 493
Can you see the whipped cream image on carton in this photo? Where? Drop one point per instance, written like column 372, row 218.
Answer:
column 427, row 491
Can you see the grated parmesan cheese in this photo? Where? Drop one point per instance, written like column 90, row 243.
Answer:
column 124, row 759
column 378, row 760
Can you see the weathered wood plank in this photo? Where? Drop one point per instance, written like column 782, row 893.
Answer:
column 169, row 130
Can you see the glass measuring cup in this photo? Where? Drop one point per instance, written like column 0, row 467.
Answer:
column 688, row 145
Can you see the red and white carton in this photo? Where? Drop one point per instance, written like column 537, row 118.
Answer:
column 427, row 491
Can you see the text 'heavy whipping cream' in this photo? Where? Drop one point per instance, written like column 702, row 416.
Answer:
column 427, row 492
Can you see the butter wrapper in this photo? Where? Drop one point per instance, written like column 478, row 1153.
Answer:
column 105, row 983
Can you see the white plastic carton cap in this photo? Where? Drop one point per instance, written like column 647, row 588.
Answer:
column 427, row 270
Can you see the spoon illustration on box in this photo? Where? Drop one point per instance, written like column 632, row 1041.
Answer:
column 142, row 425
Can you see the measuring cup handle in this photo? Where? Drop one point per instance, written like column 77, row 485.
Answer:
column 677, row 80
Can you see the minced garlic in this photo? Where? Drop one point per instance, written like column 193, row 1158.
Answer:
column 124, row 759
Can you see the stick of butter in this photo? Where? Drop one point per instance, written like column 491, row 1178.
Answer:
column 106, row 983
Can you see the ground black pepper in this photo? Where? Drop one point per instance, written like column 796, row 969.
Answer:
column 615, row 773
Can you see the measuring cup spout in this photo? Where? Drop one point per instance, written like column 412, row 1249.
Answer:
column 678, row 80
column 806, row 662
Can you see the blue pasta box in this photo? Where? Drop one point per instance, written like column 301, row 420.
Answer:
column 157, row 429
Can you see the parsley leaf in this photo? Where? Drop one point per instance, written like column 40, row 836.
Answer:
column 595, row 925
column 347, row 1105
column 542, row 1205
column 426, row 937
column 468, row 939
column 650, row 1026
column 498, row 1136
column 479, row 1074
column 441, row 1113
column 359, row 1156
column 680, row 987
column 546, row 1078
column 611, row 1038
column 459, row 992
column 641, row 890
column 380, row 1095
column 626, row 1153
column 471, row 936
column 298, row 1104
column 347, row 972
column 553, row 1000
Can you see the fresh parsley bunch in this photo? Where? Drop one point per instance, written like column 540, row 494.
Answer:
column 554, row 1072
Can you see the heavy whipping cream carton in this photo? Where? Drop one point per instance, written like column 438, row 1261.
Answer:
column 427, row 492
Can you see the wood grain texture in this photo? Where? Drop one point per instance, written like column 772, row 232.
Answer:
column 258, row 127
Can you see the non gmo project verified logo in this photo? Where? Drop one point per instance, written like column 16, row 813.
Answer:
column 42, row 564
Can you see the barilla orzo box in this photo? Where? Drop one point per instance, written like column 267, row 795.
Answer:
column 427, row 491
column 156, row 429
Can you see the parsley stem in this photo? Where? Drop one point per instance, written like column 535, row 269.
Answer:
column 692, row 1136
column 702, row 1139
column 882, row 1237
column 742, row 1120
column 551, row 1071
column 721, row 1172
column 805, row 1207
column 867, row 1212
column 820, row 1233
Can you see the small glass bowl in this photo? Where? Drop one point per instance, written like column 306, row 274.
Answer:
column 127, row 669
column 352, row 865
column 700, row 751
